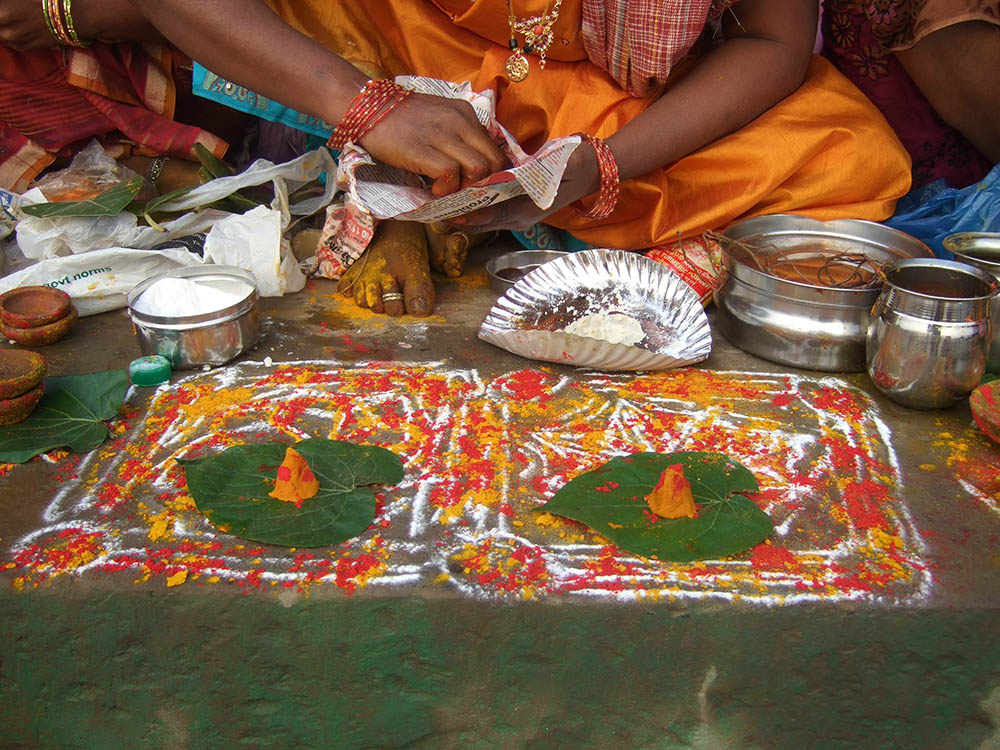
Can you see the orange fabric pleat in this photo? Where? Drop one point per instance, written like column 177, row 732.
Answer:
column 824, row 151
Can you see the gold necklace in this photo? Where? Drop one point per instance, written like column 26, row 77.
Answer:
column 537, row 33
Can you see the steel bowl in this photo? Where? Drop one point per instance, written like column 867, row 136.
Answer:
column 982, row 250
column 507, row 269
column 793, row 322
column 212, row 338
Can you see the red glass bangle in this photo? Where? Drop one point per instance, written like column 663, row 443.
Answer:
column 607, row 196
column 376, row 99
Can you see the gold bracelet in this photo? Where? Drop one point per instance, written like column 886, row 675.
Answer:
column 67, row 6
column 155, row 167
column 48, row 21
column 55, row 15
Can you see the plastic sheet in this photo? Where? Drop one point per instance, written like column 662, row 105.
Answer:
column 936, row 210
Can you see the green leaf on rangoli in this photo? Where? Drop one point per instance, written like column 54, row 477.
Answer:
column 232, row 489
column 70, row 415
column 610, row 500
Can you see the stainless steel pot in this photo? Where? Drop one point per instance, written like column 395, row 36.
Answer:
column 797, row 323
column 212, row 338
column 930, row 329
column 982, row 250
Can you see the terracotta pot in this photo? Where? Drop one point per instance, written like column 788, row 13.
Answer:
column 13, row 410
column 33, row 306
column 20, row 371
column 40, row 335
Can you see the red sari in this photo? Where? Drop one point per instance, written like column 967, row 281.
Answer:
column 53, row 101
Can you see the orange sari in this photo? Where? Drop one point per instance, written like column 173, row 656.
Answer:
column 824, row 152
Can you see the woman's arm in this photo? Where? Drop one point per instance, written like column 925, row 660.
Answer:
column 22, row 24
column 245, row 42
column 767, row 48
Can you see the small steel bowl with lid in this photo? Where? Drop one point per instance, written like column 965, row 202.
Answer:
column 212, row 334
column 800, row 291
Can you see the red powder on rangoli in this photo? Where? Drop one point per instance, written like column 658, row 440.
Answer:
column 771, row 557
column 862, row 504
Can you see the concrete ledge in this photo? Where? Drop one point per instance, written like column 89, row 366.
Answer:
column 139, row 670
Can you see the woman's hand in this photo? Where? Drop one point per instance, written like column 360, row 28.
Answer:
column 581, row 177
column 432, row 136
column 22, row 25
column 436, row 137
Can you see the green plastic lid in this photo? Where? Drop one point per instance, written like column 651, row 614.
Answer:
column 151, row 370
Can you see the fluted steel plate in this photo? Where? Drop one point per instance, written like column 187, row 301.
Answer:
column 530, row 317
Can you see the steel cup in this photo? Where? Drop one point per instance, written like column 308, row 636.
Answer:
column 927, row 342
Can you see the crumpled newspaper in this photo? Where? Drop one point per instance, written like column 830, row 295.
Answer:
column 377, row 191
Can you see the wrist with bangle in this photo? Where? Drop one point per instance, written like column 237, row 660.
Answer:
column 607, row 196
column 377, row 98
column 58, row 16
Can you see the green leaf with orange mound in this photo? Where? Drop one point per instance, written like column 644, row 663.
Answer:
column 612, row 500
column 234, row 490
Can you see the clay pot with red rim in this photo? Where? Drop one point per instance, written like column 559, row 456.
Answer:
column 40, row 335
column 20, row 371
column 13, row 410
column 33, row 306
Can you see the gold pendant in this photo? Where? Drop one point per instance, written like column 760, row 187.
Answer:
column 516, row 67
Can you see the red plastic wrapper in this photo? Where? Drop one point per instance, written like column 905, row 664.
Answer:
column 698, row 262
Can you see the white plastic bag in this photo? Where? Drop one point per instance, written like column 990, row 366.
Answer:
column 253, row 242
column 58, row 236
column 55, row 237
column 100, row 280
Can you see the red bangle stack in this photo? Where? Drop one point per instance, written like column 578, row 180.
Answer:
column 607, row 198
column 376, row 100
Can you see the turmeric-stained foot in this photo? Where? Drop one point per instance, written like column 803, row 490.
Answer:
column 449, row 247
column 393, row 275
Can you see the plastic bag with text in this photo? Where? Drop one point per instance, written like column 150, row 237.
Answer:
column 99, row 281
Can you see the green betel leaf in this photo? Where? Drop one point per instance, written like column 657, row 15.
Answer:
column 213, row 165
column 232, row 489
column 71, row 414
column 109, row 203
column 611, row 501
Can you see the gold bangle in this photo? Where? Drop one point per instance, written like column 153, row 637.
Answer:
column 58, row 27
column 155, row 167
column 67, row 6
column 48, row 21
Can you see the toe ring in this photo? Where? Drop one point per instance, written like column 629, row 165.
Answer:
column 392, row 297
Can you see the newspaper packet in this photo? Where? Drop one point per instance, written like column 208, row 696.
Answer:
column 378, row 191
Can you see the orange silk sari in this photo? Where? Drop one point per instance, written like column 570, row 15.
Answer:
column 824, row 152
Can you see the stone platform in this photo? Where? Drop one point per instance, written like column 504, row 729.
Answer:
column 464, row 618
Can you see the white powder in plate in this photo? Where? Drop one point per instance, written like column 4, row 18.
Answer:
column 617, row 328
column 172, row 298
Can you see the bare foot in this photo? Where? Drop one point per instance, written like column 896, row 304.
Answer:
column 450, row 247
column 395, row 263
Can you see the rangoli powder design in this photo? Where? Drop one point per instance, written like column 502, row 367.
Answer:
column 480, row 455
